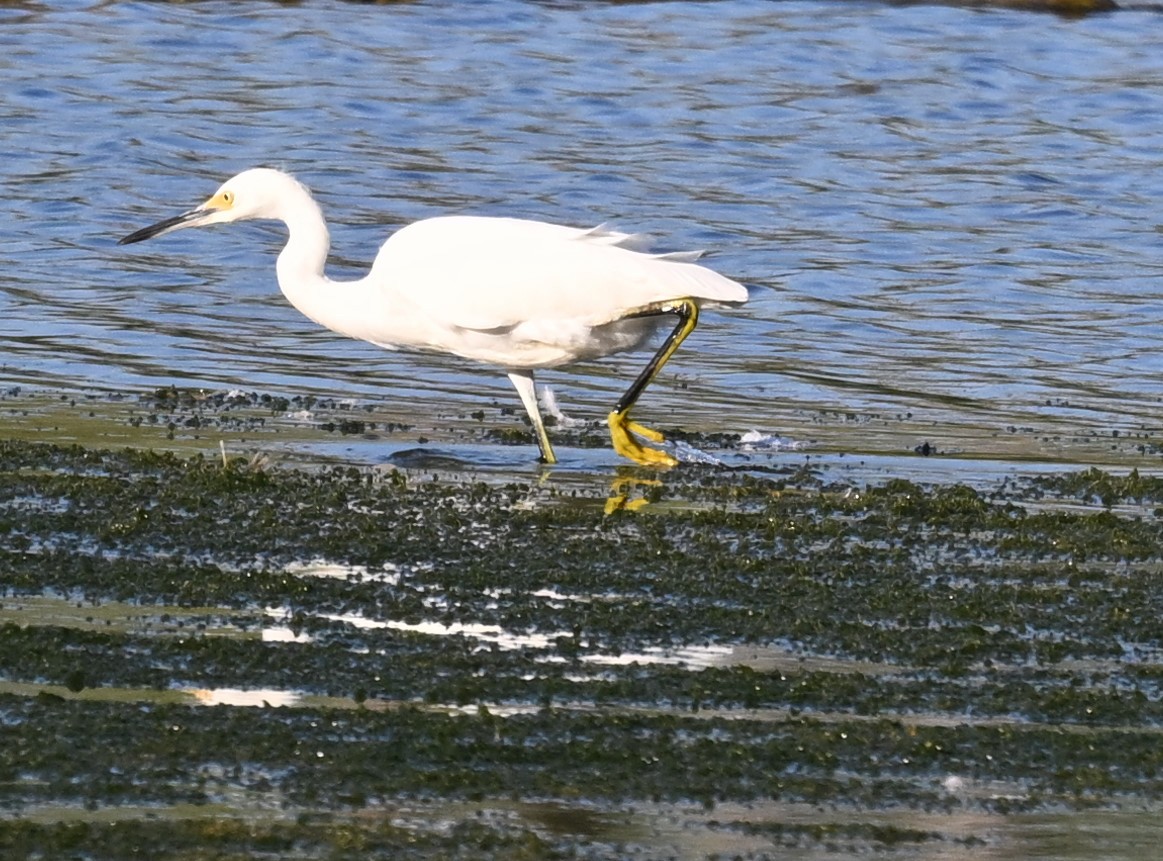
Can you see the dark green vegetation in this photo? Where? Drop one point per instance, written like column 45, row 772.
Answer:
column 744, row 666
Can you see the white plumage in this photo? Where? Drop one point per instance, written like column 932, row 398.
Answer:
column 503, row 291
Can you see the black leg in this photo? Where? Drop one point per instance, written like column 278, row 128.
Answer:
column 621, row 427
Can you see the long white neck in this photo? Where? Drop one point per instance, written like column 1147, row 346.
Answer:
column 300, row 268
column 300, row 264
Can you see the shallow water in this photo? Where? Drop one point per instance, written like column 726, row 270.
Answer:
column 943, row 214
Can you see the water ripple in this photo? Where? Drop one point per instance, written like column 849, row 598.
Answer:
column 939, row 209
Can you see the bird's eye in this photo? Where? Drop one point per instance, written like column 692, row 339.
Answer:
column 228, row 198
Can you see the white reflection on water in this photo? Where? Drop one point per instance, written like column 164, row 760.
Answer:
column 258, row 698
column 764, row 657
column 388, row 575
column 484, row 633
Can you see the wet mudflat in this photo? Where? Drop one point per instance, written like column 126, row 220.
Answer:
column 230, row 657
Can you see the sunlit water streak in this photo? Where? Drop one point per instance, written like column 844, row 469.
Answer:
column 941, row 211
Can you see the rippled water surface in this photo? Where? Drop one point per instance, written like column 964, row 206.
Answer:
column 944, row 213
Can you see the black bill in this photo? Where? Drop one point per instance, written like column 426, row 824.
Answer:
column 165, row 226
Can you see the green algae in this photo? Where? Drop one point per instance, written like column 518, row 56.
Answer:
column 224, row 837
column 507, row 641
column 336, row 759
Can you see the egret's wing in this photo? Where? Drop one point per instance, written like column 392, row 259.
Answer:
column 495, row 273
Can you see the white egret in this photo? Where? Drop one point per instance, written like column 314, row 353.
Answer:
column 504, row 291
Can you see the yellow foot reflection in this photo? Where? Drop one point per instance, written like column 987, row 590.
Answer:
column 622, row 432
column 620, row 489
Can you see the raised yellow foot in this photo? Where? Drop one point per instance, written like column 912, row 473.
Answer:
column 621, row 430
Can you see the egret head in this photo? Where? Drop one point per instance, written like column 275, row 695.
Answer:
column 256, row 193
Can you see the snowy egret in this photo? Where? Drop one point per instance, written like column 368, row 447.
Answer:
column 504, row 291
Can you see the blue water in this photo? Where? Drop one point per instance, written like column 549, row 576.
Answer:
column 946, row 215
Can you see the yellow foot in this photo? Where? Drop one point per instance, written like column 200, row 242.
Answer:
column 621, row 429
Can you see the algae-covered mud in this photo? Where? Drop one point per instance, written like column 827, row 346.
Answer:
column 220, row 655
